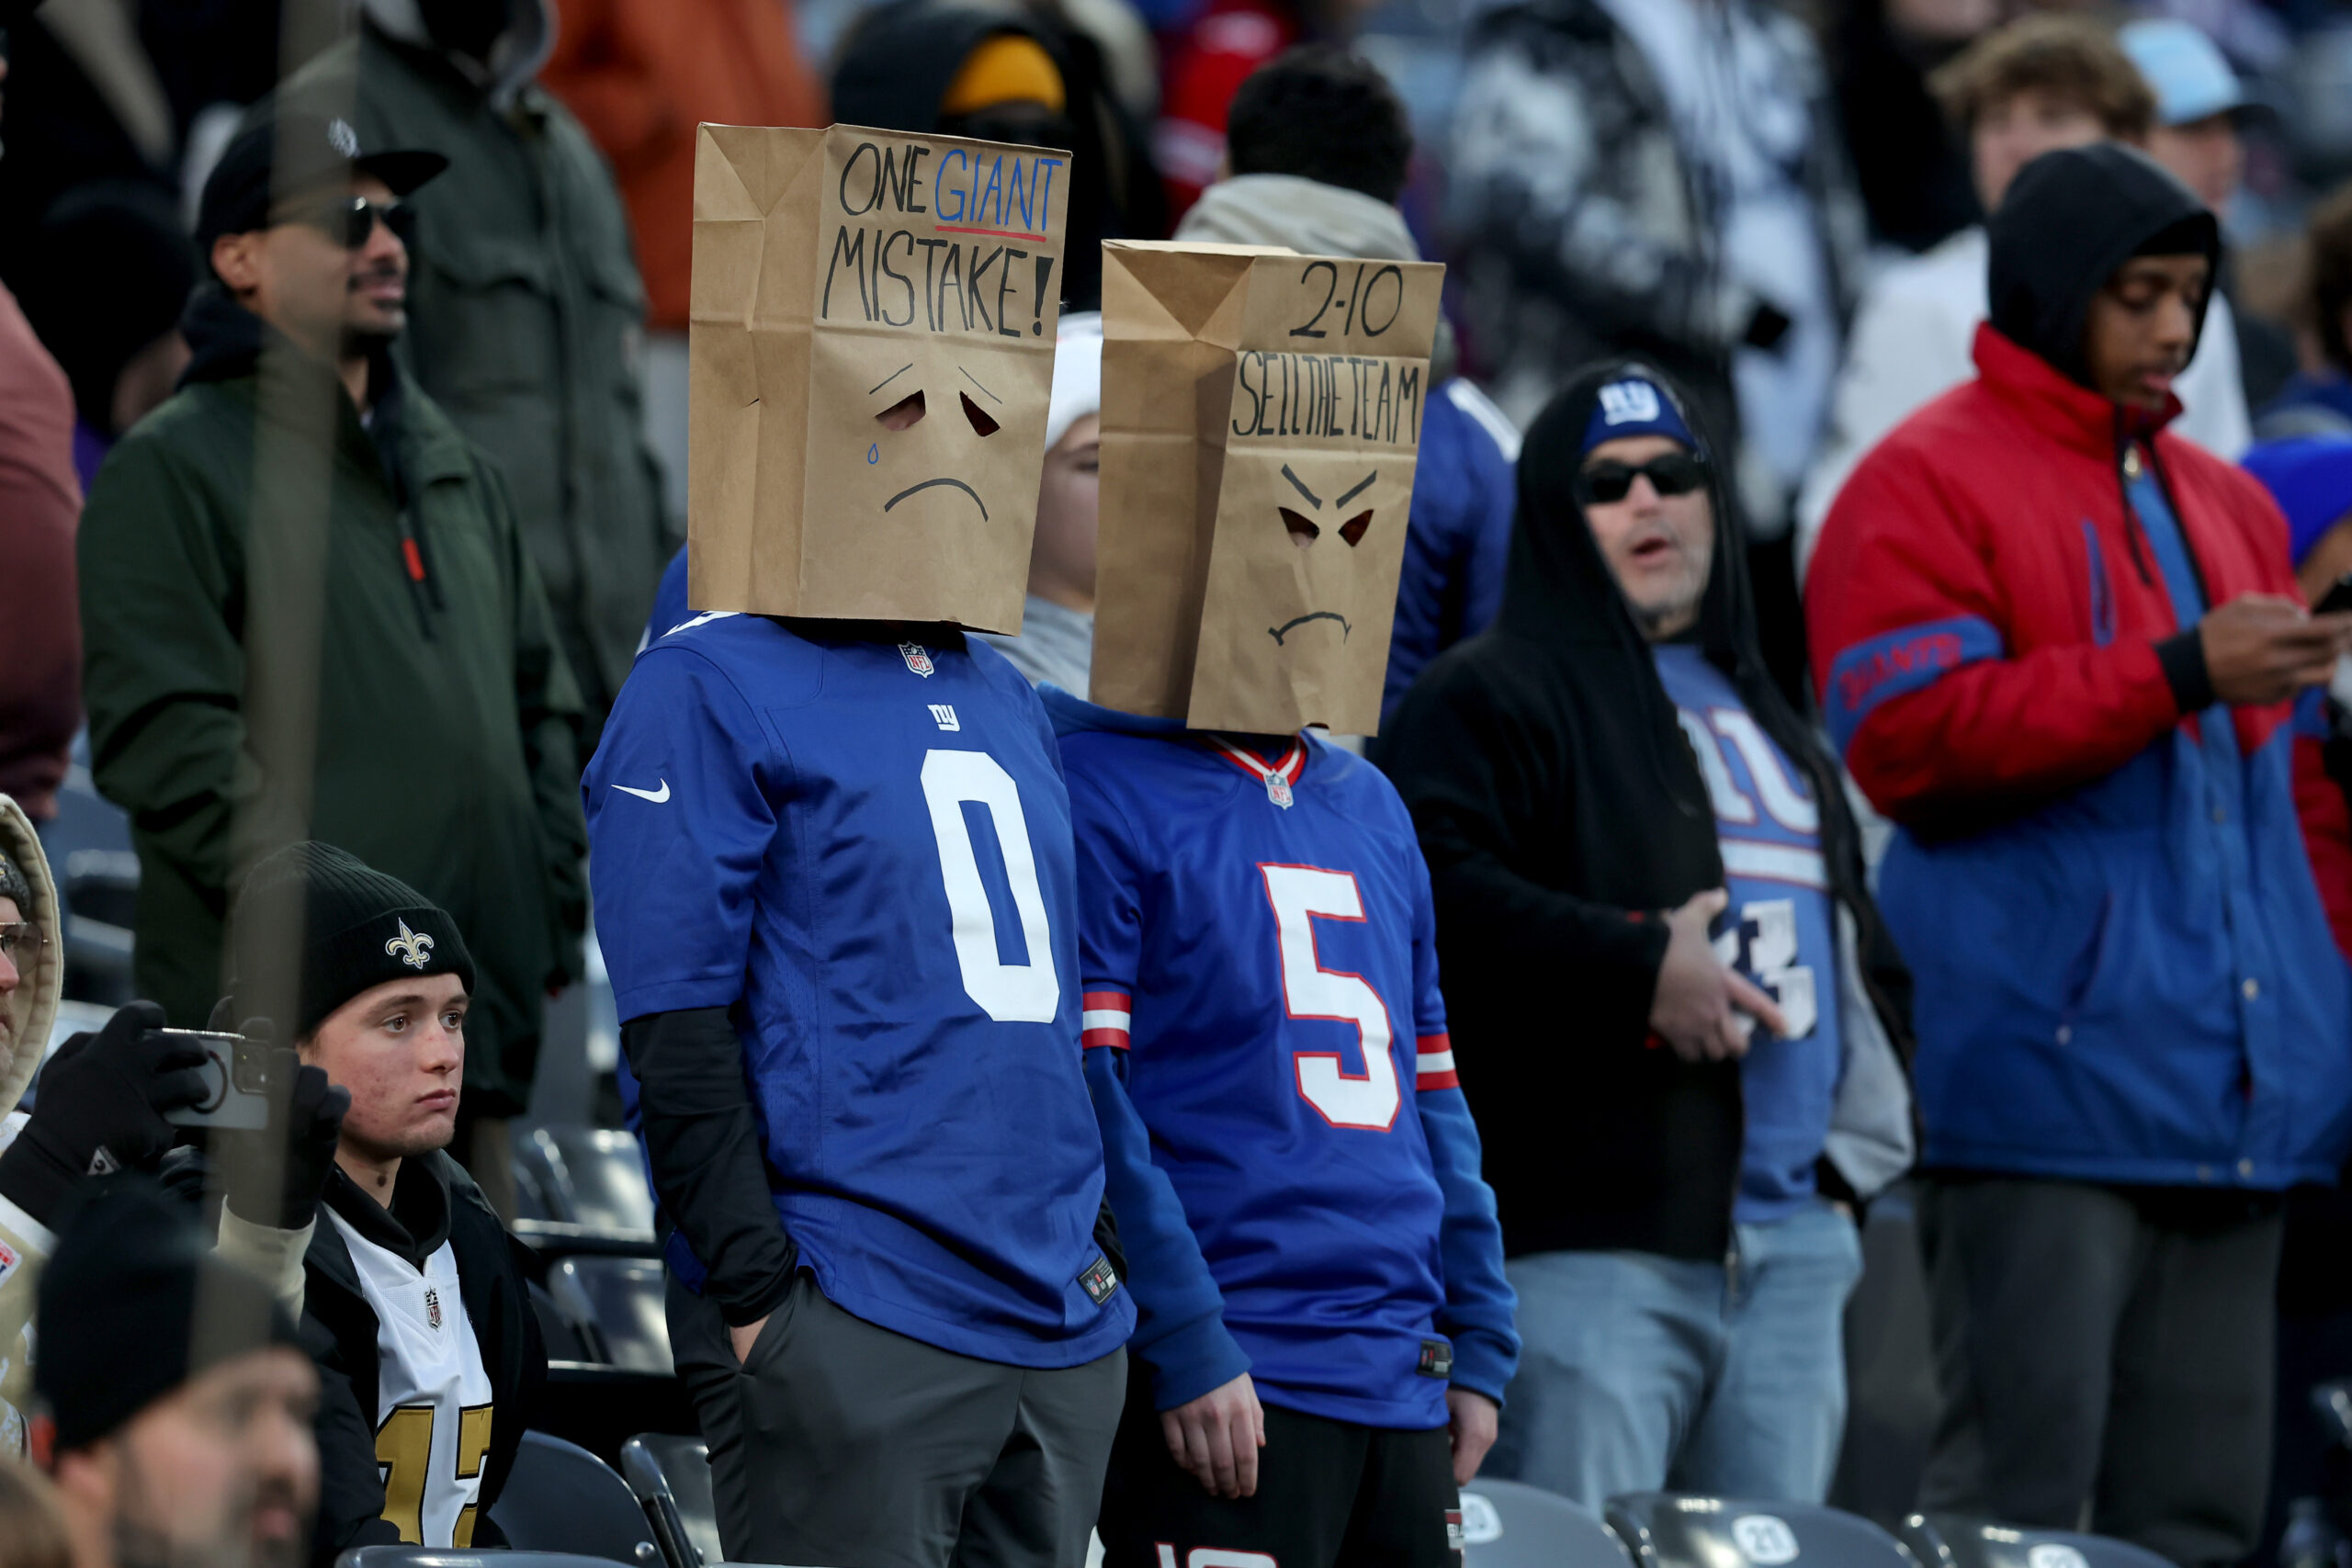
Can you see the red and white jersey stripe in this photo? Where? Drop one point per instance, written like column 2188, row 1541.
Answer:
column 1104, row 1022
column 1287, row 767
column 1433, row 1063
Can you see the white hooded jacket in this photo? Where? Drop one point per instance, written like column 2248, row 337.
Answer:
column 28, row 1011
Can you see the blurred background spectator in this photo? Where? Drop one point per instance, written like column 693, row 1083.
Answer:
column 122, row 241
column 2040, row 84
column 526, row 318
column 2319, row 397
column 40, row 641
column 640, row 74
column 1001, row 72
column 1912, row 169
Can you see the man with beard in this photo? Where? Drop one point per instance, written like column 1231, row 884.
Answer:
column 178, row 1404
column 301, row 538
column 1612, row 795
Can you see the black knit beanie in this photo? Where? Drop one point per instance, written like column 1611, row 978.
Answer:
column 359, row 928
column 133, row 1304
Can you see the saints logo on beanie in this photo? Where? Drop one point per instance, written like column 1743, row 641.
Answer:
column 336, row 927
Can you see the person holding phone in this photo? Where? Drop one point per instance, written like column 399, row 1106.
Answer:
column 2060, row 646
column 412, row 1302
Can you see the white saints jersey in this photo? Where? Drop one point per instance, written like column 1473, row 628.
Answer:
column 432, row 1394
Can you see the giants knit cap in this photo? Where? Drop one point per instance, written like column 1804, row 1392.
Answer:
column 359, row 926
column 133, row 1304
column 1634, row 405
column 15, row 886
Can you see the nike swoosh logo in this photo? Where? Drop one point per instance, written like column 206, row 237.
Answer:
column 656, row 796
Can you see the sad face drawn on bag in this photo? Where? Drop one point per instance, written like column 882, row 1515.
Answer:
column 1348, row 516
column 958, row 416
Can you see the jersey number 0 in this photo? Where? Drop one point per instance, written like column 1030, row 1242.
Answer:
column 1009, row 993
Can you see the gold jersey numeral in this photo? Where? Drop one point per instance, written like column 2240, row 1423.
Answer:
column 404, row 1455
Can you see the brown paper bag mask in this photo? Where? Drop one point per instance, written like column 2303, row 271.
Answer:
column 1261, row 415
column 870, row 361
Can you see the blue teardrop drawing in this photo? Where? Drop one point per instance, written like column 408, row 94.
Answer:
column 874, row 453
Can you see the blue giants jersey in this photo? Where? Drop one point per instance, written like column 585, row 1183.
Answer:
column 1780, row 931
column 864, row 849
column 1291, row 1158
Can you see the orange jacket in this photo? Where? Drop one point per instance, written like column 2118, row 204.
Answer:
column 641, row 73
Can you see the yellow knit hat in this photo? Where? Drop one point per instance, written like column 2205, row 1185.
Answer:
column 1008, row 68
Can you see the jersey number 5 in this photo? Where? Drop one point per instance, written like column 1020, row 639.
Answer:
column 404, row 1454
column 1009, row 993
column 1366, row 1100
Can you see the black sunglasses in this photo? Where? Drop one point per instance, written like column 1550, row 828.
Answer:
column 1669, row 473
column 350, row 220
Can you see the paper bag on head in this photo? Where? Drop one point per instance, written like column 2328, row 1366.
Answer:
column 871, row 358
column 1261, row 414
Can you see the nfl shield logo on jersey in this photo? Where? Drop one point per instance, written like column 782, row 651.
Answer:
column 917, row 658
column 431, row 1307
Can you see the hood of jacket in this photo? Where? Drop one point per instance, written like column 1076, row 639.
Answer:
column 516, row 53
column 224, row 339
column 898, row 62
column 1314, row 219
column 2068, row 221
column 31, row 1008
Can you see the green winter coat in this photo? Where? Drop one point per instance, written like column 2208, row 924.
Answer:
column 447, row 716
column 526, row 322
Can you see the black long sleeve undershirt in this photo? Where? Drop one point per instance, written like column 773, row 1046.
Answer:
column 703, row 1141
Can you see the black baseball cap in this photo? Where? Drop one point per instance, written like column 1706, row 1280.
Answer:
column 294, row 150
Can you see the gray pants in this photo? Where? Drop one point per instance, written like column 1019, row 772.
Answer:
column 844, row 1444
column 2105, row 1358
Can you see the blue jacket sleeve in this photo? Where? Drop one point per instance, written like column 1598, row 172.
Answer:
column 1479, row 1303
column 1180, row 1312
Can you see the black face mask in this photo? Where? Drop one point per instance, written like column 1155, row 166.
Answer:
column 466, row 27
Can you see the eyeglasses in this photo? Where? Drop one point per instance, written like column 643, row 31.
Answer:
column 1669, row 473
column 21, row 941
column 350, row 220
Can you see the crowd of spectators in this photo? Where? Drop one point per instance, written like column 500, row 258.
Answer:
column 1882, row 732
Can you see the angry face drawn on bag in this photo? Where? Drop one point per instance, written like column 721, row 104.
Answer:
column 1252, row 536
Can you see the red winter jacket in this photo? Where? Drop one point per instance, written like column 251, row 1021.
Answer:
column 1963, row 515
column 2120, row 977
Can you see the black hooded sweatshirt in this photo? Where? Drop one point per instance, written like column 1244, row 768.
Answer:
column 1563, row 815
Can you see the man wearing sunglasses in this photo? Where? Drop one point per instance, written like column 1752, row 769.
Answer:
column 301, row 532
column 1660, row 947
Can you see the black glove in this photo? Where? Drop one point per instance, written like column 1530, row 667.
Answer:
column 100, row 1107
column 275, row 1176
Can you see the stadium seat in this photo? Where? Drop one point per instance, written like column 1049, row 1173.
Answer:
column 671, row 1479
column 431, row 1557
column 586, row 1179
column 1955, row 1541
column 1507, row 1525
column 561, row 1498
column 617, row 1302
column 1668, row 1529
